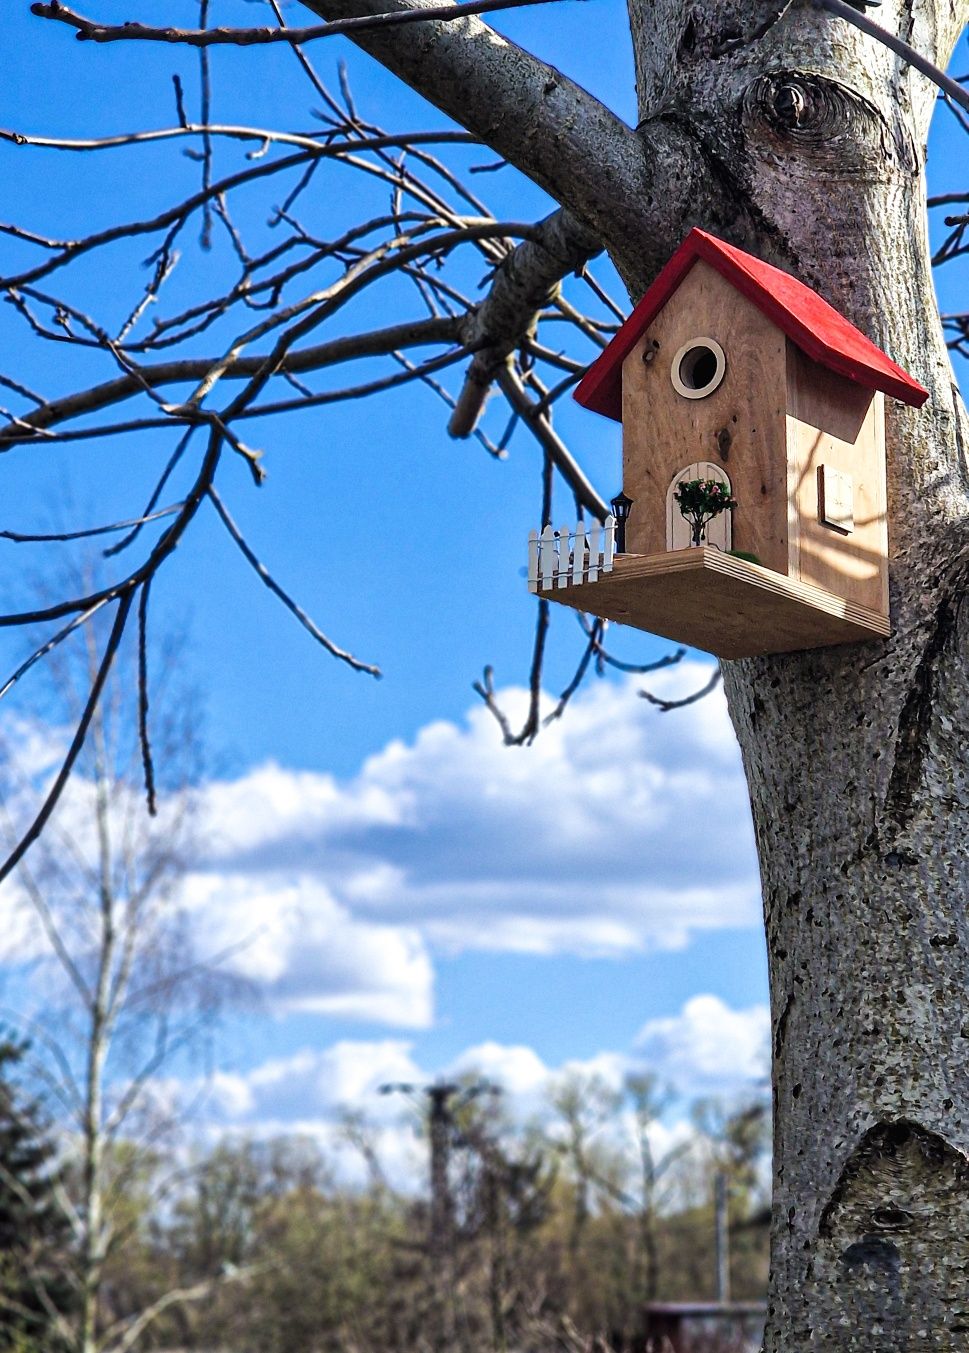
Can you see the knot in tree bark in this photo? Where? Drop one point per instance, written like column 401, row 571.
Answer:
column 829, row 128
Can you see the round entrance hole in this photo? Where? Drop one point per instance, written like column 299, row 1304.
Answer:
column 698, row 368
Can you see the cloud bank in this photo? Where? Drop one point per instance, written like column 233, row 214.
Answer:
column 619, row 831
column 706, row 1049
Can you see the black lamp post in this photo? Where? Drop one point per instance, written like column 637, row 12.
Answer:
column 620, row 510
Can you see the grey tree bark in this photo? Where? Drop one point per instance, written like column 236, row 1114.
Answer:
column 795, row 136
column 853, row 755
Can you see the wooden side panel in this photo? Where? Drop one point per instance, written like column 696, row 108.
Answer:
column 833, row 422
column 741, row 426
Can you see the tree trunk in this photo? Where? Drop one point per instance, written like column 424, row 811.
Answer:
column 852, row 755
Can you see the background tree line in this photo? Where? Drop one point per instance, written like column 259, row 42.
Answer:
column 559, row 1230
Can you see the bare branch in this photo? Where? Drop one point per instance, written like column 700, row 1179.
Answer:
column 74, row 751
column 377, row 342
column 22, row 538
column 314, row 144
column 287, row 601
column 526, row 110
column 89, row 30
column 525, row 283
column 602, row 656
column 146, row 757
column 665, row 706
column 55, row 939
column 559, row 453
column 579, row 676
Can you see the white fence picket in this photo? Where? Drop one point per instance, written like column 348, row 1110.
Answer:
column 609, row 549
column 579, row 558
column 546, row 559
column 565, row 561
column 595, row 544
column 558, row 558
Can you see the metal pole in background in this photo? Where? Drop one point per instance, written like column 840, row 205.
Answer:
column 720, row 1193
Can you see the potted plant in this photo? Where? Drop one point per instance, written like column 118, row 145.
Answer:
column 700, row 500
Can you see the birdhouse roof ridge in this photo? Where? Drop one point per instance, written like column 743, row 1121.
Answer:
column 813, row 325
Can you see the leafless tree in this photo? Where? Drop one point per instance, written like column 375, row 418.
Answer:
column 124, row 992
column 649, row 1100
column 797, row 130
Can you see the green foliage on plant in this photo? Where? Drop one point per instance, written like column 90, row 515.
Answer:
column 700, row 500
column 560, row 1230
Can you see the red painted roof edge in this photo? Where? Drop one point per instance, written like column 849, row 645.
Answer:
column 830, row 339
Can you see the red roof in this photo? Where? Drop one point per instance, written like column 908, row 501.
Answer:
column 816, row 327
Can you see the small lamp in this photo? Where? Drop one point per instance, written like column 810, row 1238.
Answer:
column 620, row 510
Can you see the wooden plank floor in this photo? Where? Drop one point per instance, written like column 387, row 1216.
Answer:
column 722, row 604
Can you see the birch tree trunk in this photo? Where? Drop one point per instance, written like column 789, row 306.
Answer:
column 797, row 137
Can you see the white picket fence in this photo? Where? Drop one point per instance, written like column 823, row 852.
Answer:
column 557, row 558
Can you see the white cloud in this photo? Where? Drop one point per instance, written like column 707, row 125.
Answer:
column 709, row 1046
column 305, row 952
column 620, row 830
column 347, row 1075
column 706, row 1048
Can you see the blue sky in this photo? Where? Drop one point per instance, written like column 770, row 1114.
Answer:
column 418, row 895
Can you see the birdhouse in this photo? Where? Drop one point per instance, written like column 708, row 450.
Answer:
column 737, row 384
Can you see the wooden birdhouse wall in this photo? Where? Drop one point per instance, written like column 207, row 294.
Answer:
column 775, row 424
column 741, row 426
column 836, row 432
column 707, row 386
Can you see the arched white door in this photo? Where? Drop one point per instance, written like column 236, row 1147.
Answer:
column 718, row 532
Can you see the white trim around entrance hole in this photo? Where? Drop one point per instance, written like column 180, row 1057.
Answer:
column 700, row 345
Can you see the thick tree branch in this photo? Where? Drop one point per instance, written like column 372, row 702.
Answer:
column 529, row 112
column 524, row 284
column 378, row 342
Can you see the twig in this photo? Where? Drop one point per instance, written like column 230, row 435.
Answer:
column 50, row 644
column 376, row 342
column 640, row 669
column 146, row 757
column 206, row 92
column 284, row 597
column 88, row 30
column 156, row 493
column 22, row 538
column 921, row 63
column 665, row 706
column 560, row 455
column 179, row 101
column 74, row 751
column 312, row 144
column 578, row 678
column 485, row 688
